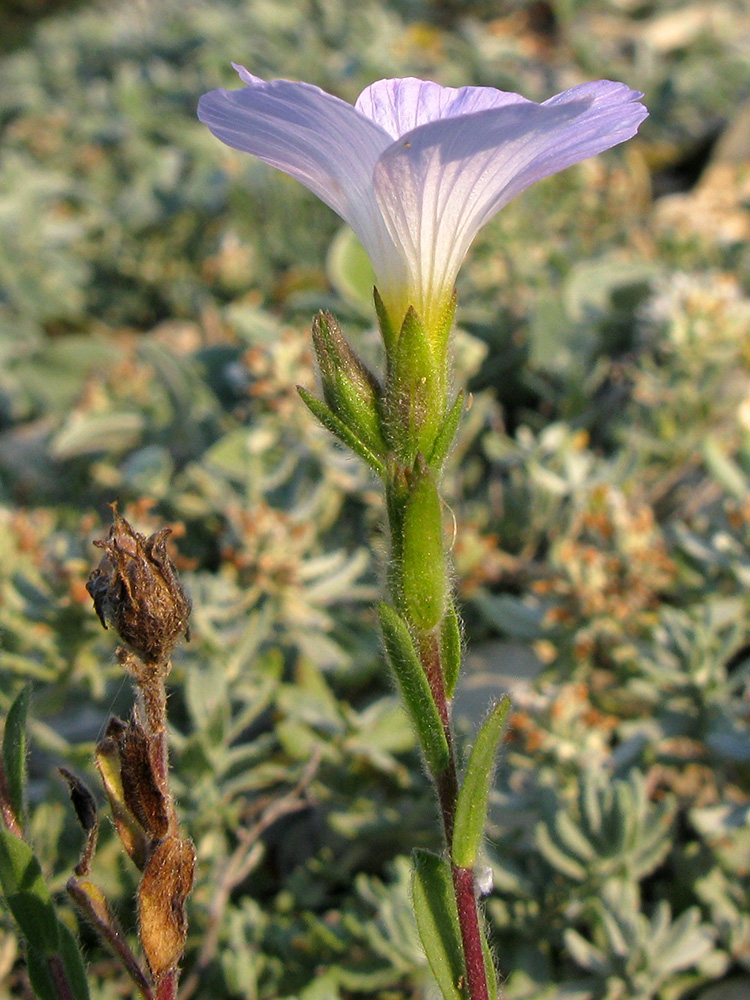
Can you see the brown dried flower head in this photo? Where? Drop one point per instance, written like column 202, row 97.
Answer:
column 136, row 590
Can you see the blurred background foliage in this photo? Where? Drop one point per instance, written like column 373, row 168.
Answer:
column 156, row 290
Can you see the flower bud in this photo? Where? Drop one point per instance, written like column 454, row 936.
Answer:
column 350, row 389
column 136, row 590
column 414, row 402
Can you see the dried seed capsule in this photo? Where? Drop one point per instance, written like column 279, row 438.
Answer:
column 166, row 885
column 136, row 590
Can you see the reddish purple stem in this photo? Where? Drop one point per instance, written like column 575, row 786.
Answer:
column 447, row 789
column 167, row 988
column 59, row 977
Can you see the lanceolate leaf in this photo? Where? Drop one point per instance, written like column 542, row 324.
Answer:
column 437, row 921
column 471, row 810
column 337, row 427
column 26, row 893
column 447, row 432
column 415, row 689
column 47, row 971
column 14, row 751
column 489, row 966
column 450, row 649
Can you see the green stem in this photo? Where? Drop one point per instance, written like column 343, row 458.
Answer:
column 446, row 785
column 446, row 782
column 415, row 426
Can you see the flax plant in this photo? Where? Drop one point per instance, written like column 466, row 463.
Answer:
column 416, row 170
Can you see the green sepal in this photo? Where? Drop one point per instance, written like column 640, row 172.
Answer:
column 415, row 689
column 386, row 327
column 350, row 389
column 414, row 396
column 14, row 753
column 473, row 796
column 332, row 423
column 68, row 960
column 437, row 921
column 26, row 893
column 424, row 588
column 446, row 434
column 445, row 324
column 450, row 649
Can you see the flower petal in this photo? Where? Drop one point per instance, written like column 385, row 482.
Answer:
column 442, row 181
column 313, row 136
column 398, row 106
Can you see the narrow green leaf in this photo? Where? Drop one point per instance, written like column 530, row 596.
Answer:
column 471, row 809
column 26, row 893
column 50, row 975
column 331, row 422
column 14, row 752
column 73, row 962
column 39, row 974
column 489, row 965
column 415, row 689
column 447, row 432
column 386, row 327
column 450, row 649
column 437, row 921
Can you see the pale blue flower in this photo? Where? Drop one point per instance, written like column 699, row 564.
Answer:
column 417, row 169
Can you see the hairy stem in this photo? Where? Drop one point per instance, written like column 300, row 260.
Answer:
column 154, row 695
column 447, row 785
column 59, row 977
column 447, row 789
column 167, row 988
column 471, row 934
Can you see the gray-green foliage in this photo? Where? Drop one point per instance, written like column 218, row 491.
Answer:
column 616, row 832
column 155, row 292
column 634, row 955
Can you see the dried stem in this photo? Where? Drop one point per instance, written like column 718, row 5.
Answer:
column 136, row 591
